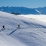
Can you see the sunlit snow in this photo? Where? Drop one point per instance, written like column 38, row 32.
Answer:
column 31, row 32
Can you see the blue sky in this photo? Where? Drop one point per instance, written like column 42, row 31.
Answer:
column 23, row 3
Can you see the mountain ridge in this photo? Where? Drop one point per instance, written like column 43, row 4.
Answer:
column 24, row 10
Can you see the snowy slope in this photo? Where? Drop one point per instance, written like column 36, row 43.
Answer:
column 31, row 32
column 38, row 11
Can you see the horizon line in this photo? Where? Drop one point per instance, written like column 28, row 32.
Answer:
column 21, row 6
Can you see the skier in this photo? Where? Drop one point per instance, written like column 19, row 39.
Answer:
column 18, row 25
column 3, row 27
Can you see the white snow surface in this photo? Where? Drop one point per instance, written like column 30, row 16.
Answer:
column 31, row 32
column 39, row 17
column 38, row 11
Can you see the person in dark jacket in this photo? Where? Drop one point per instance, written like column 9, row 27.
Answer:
column 3, row 27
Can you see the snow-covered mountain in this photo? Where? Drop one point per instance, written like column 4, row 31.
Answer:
column 23, row 10
column 31, row 32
